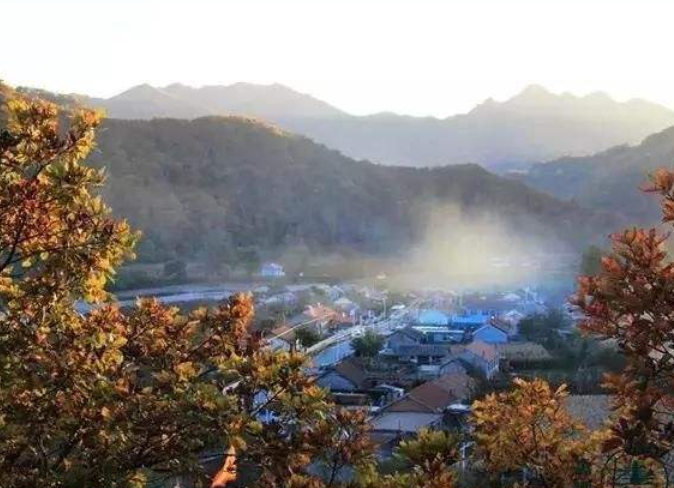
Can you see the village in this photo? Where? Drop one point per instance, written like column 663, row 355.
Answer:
column 417, row 360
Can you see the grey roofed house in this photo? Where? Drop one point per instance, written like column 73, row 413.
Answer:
column 405, row 422
column 347, row 375
column 452, row 364
column 421, row 353
column 425, row 405
column 403, row 337
column 523, row 352
column 482, row 356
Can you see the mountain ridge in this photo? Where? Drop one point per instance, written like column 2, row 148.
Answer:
column 211, row 186
column 533, row 126
column 611, row 179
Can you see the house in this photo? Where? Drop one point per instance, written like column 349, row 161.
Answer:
column 491, row 334
column 433, row 317
column 421, row 354
column 282, row 338
column 510, row 327
column 432, row 334
column 469, row 321
column 492, row 305
column 524, row 354
column 482, row 356
column 424, row 406
column 272, row 270
column 285, row 298
column 403, row 337
column 512, row 316
column 452, row 365
column 348, row 375
column 319, row 315
column 345, row 305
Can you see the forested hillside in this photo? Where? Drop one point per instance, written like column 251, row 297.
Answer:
column 609, row 180
column 213, row 187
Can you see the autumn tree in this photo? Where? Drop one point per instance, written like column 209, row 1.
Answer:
column 117, row 398
column 528, row 431
column 631, row 303
column 427, row 461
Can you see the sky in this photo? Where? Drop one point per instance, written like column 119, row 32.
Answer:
column 416, row 57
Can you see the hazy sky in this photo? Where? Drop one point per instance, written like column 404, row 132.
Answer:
column 419, row 57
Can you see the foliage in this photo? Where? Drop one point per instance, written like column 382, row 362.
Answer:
column 307, row 336
column 529, row 429
column 118, row 398
column 202, row 190
column 631, row 303
column 428, row 461
column 368, row 345
column 609, row 181
column 176, row 270
column 543, row 326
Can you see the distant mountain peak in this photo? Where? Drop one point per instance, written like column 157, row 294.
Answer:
column 599, row 96
column 141, row 90
column 177, row 86
column 534, row 93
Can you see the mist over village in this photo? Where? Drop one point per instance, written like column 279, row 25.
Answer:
column 336, row 244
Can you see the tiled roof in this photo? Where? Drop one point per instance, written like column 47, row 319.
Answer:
column 524, row 351
column 404, row 421
column 434, row 396
column 352, row 370
column 483, row 350
column 507, row 327
column 422, row 350
column 320, row 312
column 284, row 333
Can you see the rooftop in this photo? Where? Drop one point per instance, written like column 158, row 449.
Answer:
column 524, row 351
column 435, row 396
column 352, row 369
column 483, row 350
column 422, row 350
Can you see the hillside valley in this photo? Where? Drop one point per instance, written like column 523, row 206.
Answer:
column 216, row 188
column 213, row 184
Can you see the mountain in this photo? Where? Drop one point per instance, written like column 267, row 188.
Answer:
column 214, row 185
column 533, row 126
column 610, row 180
column 267, row 102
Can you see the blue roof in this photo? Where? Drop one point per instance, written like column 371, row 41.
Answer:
column 433, row 317
column 474, row 319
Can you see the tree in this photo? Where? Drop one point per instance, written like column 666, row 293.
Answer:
column 528, row 429
column 426, row 462
column 250, row 258
column 631, row 302
column 307, row 336
column 543, row 325
column 368, row 345
column 122, row 398
column 175, row 270
column 590, row 263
